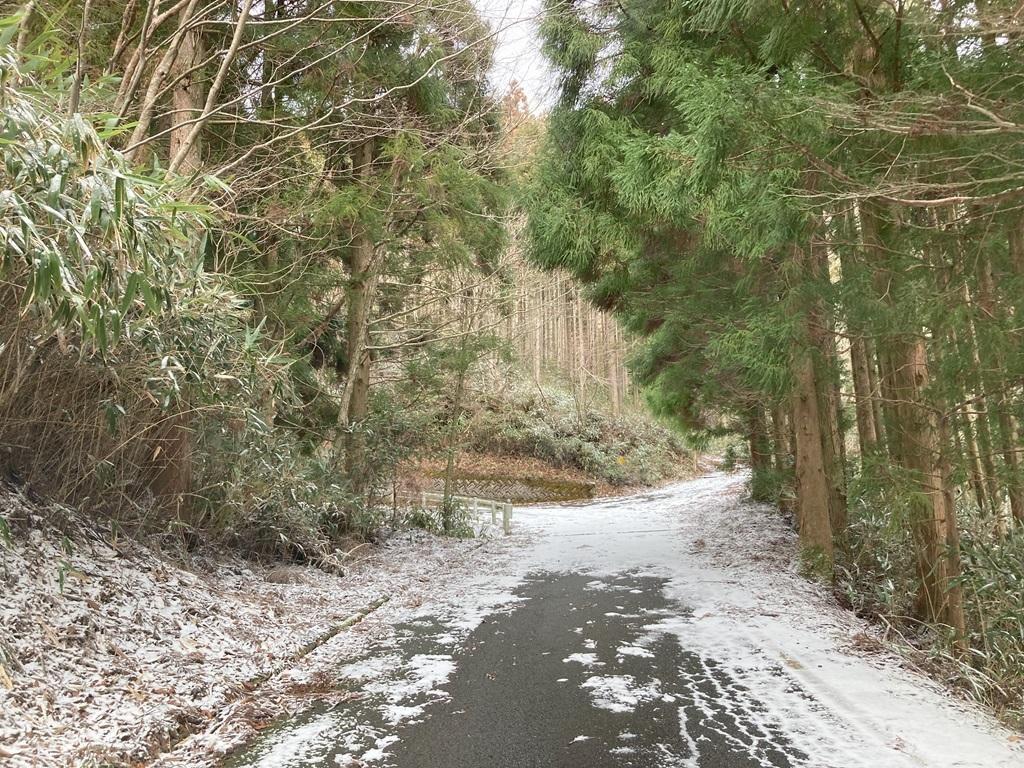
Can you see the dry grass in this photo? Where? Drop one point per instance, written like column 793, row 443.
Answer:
column 87, row 433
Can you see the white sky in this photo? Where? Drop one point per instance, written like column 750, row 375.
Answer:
column 517, row 55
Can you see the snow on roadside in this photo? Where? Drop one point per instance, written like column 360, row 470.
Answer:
column 111, row 654
column 771, row 653
column 760, row 621
column 749, row 615
column 391, row 683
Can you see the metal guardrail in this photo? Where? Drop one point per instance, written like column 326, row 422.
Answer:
column 476, row 505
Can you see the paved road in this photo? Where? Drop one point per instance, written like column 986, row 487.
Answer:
column 570, row 679
column 659, row 631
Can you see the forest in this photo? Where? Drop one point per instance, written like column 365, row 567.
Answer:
column 275, row 268
column 274, row 235
column 810, row 214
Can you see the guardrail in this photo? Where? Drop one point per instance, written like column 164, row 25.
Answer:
column 476, row 505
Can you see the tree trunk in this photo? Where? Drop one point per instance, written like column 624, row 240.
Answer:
column 780, row 455
column 821, row 332
column 74, row 100
column 780, row 445
column 812, row 488
column 1008, row 439
column 187, row 97
column 876, row 394
column 985, row 450
column 866, row 435
column 861, row 363
column 447, row 505
column 917, row 438
column 980, row 412
column 538, row 319
column 760, row 454
column 183, row 42
column 361, row 291
column 933, row 522
column 24, row 26
column 127, row 21
column 268, row 99
column 965, row 427
column 136, row 63
column 833, row 449
column 185, row 159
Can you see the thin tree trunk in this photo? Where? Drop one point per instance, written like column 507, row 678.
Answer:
column 361, row 291
column 860, row 349
column 760, row 454
column 1008, row 442
column 874, row 378
column 780, row 456
column 187, row 152
column 780, row 446
column 954, row 608
column 613, row 368
column 985, row 451
column 136, row 63
column 268, row 98
column 122, row 35
column 538, row 316
column 74, row 100
column 453, row 431
column 24, row 26
column 184, row 40
column 866, row 434
column 965, row 428
column 981, row 416
column 1008, row 439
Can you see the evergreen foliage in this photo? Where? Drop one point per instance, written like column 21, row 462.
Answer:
column 248, row 218
column 811, row 216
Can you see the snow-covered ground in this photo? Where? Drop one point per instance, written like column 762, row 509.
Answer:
column 135, row 652
column 734, row 565
column 789, row 663
column 111, row 655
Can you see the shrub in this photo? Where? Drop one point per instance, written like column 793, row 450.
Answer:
column 630, row 449
column 876, row 574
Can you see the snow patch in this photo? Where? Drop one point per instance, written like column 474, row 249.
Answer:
column 586, row 659
column 634, row 650
column 620, row 693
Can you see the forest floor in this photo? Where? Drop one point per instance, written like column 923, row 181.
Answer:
column 686, row 636
column 111, row 653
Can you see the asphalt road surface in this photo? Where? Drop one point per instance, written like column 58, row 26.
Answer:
column 525, row 696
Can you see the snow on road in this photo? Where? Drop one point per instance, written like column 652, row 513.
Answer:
column 733, row 564
column 127, row 653
column 772, row 672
